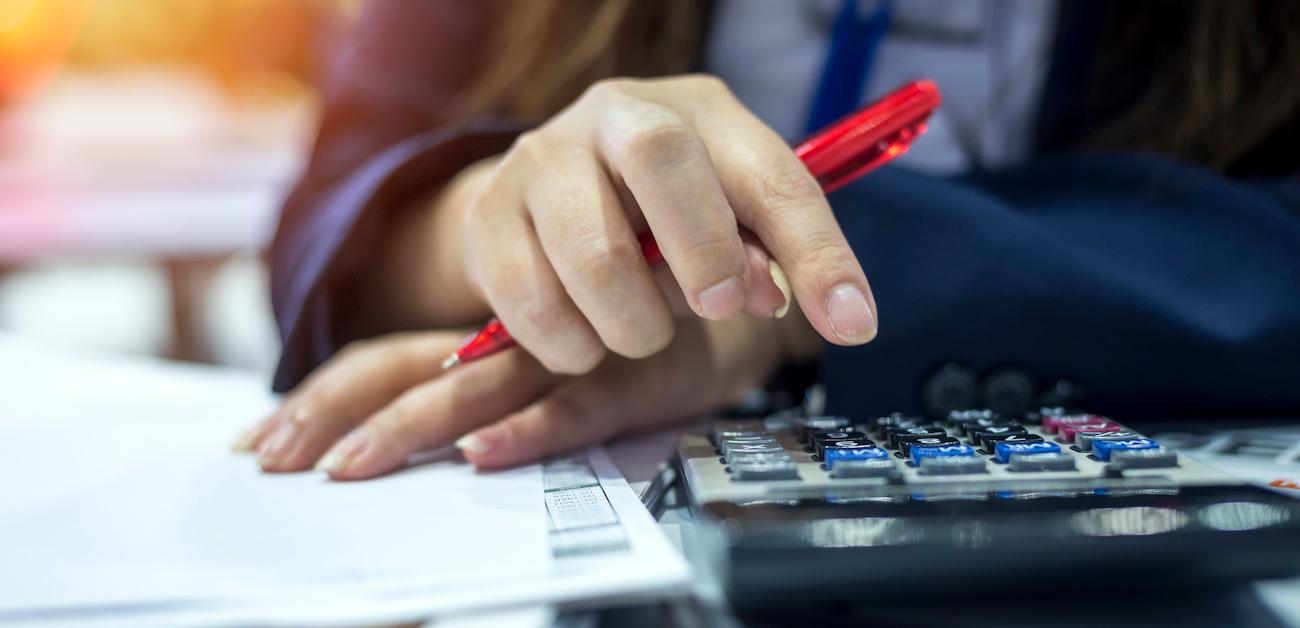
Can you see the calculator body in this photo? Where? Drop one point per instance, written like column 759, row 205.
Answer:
column 783, row 513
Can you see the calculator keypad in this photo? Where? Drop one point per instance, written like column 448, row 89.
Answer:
column 970, row 444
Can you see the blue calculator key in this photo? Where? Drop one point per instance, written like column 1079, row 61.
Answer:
column 1004, row 450
column 921, row 452
column 1104, row 448
column 835, row 455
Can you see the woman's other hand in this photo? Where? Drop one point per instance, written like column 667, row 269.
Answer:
column 367, row 410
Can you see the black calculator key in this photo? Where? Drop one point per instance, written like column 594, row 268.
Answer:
column 819, row 439
column 965, row 428
column 961, row 416
column 905, row 443
column 992, row 440
column 892, row 434
column 822, row 445
column 878, row 425
column 803, row 426
column 977, row 437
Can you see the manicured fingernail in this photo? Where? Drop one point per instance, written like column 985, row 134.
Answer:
column 277, row 443
column 849, row 314
column 482, row 441
column 244, row 444
column 341, row 454
column 783, row 284
column 723, row 299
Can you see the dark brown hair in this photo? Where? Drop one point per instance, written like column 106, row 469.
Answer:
column 1216, row 79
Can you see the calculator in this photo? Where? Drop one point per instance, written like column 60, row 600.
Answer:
column 1056, row 501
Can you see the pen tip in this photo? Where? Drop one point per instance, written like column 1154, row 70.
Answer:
column 452, row 360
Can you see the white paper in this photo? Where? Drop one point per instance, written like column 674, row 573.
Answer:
column 118, row 494
column 120, row 505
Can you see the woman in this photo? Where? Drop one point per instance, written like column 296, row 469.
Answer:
column 1108, row 198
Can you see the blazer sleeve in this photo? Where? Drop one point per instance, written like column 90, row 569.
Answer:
column 386, row 138
column 1163, row 289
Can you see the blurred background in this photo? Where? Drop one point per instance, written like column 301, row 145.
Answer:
column 145, row 146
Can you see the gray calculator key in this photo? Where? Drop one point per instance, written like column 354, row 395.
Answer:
column 756, row 447
column 1084, row 440
column 1157, row 458
column 726, row 444
column 952, row 465
column 762, row 470
column 863, row 469
column 1060, row 461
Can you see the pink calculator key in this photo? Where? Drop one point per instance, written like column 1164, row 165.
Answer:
column 1067, row 431
column 1052, row 423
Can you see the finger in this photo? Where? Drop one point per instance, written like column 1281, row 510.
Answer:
column 667, row 168
column 769, row 290
column 511, row 269
column 360, row 379
column 434, row 414
column 580, row 412
column 585, row 234
column 774, row 195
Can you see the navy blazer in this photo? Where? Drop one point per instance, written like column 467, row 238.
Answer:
column 1160, row 289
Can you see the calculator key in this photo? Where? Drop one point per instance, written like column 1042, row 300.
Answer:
column 1059, row 461
column 906, row 443
column 992, row 440
column 892, row 434
column 1084, row 440
column 978, row 437
column 864, row 468
column 1103, row 449
column 1067, row 431
column 952, row 465
column 767, row 447
column 753, row 443
column 837, row 455
column 960, row 416
column 1157, row 458
column 878, row 425
column 822, row 445
column 922, row 452
column 965, row 428
column 1004, row 450
column 828, row 423
column 763, row 470
column 1053, row 422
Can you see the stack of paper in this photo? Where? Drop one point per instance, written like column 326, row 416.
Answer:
column 122, row 504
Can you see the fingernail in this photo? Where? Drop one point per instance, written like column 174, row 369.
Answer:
column 849, row 314
column 783, row 284
column 482, row 441
column 244, row 444
column 341, row 454
column 277, row 443
column 723, row 299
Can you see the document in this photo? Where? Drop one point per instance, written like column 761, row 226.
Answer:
column 121, row 503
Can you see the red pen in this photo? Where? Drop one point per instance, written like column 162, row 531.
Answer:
column 836, row 155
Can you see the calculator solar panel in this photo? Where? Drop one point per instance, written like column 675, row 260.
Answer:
column 834, row 507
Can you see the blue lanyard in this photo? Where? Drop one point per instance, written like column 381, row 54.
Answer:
column 852, row 51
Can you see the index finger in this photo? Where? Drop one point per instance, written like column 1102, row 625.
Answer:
column 774, row 195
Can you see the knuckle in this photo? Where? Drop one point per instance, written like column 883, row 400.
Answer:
column 785, row 186
column 708, row 83
column 822, row 254
column 531, row 146
column 601, row 261
column 609, row 87
column 659, row 141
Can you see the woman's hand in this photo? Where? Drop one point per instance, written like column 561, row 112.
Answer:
column 376, row 403
column 545, row 236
